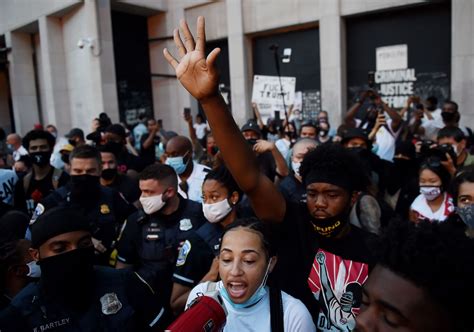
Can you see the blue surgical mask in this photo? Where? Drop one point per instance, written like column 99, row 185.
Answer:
column 255, row 298
column 34, row 271
column 177, row 163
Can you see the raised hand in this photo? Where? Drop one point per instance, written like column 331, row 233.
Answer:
column 196, row 73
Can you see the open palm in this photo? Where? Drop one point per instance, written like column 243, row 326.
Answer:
column 196, row 73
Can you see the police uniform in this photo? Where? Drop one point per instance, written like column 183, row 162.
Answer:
column 196, row 255
column 121, row 301
column 107, row 215
column 151, row 242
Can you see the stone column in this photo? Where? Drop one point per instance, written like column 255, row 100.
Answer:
column 333, row 62
column 22, row 79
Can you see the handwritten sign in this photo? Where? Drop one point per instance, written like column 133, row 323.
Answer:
column 268, row 96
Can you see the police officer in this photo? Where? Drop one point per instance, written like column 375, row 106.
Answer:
column 152, row 236
column 197, row 257
column 105, row 206
column 72, row 294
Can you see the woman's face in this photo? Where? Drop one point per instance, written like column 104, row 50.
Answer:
column 466, row 194
column 242, row 263
column 213, row 191
column 429, row 179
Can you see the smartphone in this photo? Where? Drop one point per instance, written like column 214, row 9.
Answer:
column 187, row 111
column 371, row 79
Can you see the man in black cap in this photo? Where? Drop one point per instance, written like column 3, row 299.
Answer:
column 76, row 137
column 74, row 295
column 104, row 206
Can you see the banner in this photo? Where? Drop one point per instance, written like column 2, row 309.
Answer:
column 267, row 94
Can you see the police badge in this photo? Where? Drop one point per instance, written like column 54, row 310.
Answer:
column 110, row 304
column 185, row 225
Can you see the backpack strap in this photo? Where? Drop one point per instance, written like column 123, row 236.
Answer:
column 56, row 175
column 276, row 310
column 26, row 181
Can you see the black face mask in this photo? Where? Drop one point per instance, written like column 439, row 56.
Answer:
column 332, row 226
column 85, row 188
column 72, row 142
column 65, row 158
column 363, row 153
column 109, row 173
column 41, row 159
column 252, row 141
column 68, row 277
column 21, row 175
column 448, row 116
column 431, row 108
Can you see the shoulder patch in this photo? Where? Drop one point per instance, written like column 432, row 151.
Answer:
column 185, row 225
column 39, row 210
column 183, row 253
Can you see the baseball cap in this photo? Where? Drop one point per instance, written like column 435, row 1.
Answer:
column 253, row 126
column 75, row 132
column 354, row 133
column 116, row 129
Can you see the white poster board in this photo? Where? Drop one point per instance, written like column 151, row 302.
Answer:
column 391, row 57
column 267, row 95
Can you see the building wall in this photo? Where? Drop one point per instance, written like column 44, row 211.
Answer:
column 88, row 84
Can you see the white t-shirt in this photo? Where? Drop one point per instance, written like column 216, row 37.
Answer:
column 257, row 318
column 432, row 126
column 283, row 145
column 423, row 211
column 200, row 130
column 21, row 151
column 194, row 181
column 385, row 139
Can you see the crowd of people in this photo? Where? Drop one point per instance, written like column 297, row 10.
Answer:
column 296, row 226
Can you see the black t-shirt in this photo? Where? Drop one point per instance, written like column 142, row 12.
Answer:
column 292, row 189
column 149, row 155
column 346, row 261
column 37, row 190
column 151, row 243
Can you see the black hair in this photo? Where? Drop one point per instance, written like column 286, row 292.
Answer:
column 309, row 124
column 336, row 161
column 222, row 175
column 466, row 174
column 10, row 255
column 456, row 106
column 436, row 257
column 110, row 147
column 38, row 134
column 432, row 100
column 85, row 152
column 451, row 132
column 253, row 224
column 26, row 159
column 434, row 164
column 161, row 173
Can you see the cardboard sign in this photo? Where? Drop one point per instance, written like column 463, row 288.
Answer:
column 391, row 57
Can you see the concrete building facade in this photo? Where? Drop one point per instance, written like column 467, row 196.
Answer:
column 61, row 64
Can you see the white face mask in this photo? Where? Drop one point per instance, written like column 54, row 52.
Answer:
column 430, row 193
column 217, row 211
column 296, row 167
column 152, row 204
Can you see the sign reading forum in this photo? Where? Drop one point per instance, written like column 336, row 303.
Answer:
column 267, row 95
column 396, row 80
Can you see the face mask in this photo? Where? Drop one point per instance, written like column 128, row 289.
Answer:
column 21, row 175
column 34, row 271
column 466, row 214
column 10, row 147
column 65, row 158
column 72, row 142
column 296, row 167
column 55, row 134
column 255, row 298
column 448, row 116
column 108, row 174
column 431, row 108
column 68, row 277
column 85, row 187
column 430, row 193
column 252, row 141
column 213, row 150
column 41, row 159
column 330, row 227
column 152, row 204
column 217, row 211
column 177, row 163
